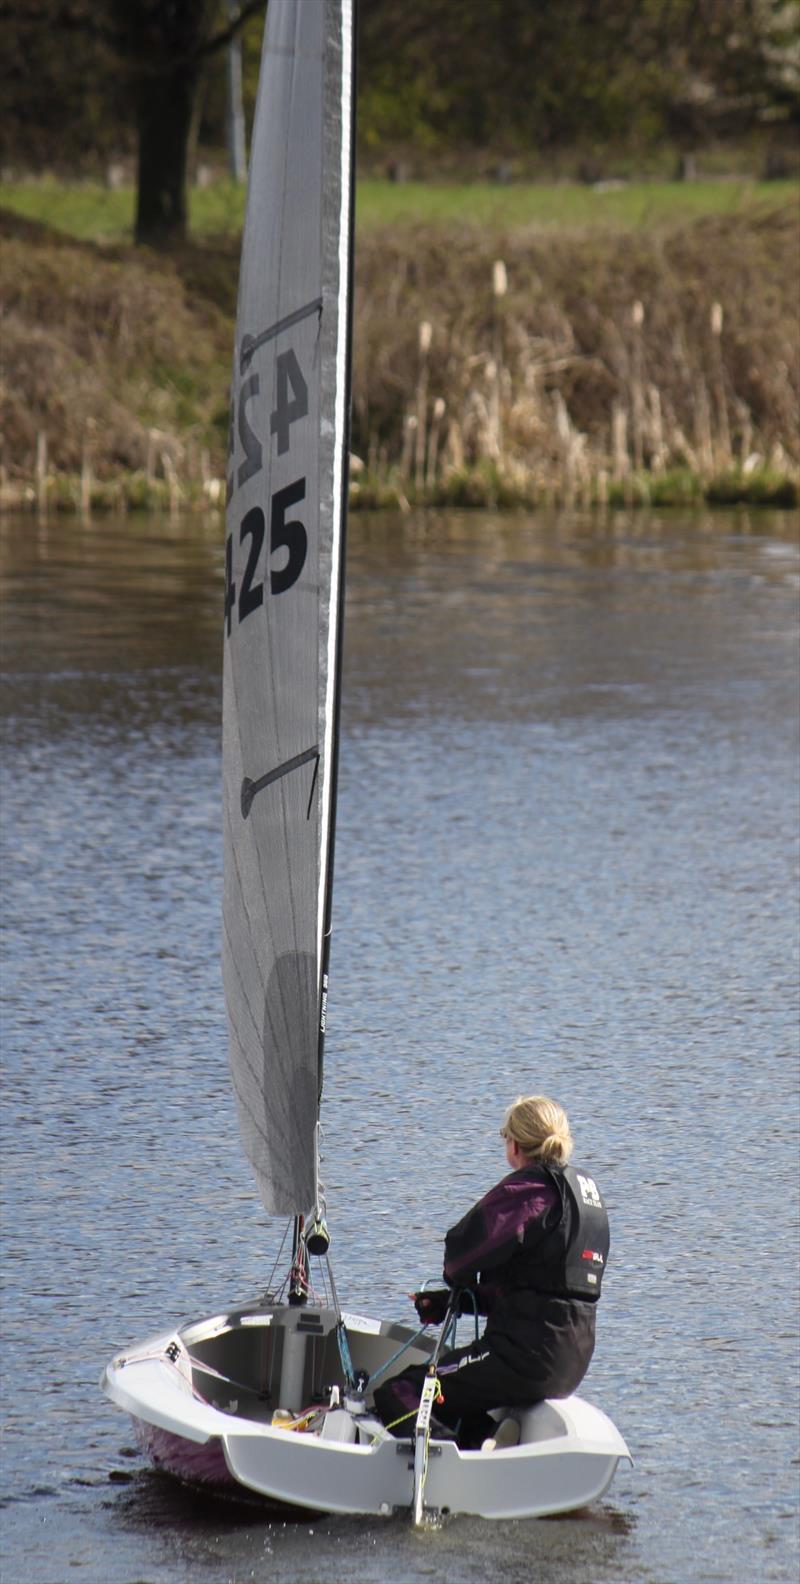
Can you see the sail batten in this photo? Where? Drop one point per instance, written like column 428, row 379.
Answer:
column 284, row 549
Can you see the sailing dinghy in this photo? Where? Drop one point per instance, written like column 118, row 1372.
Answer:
column 276, row 1394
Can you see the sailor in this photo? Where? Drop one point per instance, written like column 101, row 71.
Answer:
column 530, row 1255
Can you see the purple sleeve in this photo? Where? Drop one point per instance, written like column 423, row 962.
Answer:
column 496, row 1228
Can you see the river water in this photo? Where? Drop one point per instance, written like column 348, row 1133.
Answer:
column 566, row 862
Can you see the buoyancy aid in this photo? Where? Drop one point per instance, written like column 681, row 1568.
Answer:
column 567, row 1257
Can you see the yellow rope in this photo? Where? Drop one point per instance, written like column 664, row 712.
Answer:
column 304, row 1418
column 402, row 1419
column 299, row 1423
column 414, row 1411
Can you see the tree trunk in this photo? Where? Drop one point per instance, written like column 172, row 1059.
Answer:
column 164, row 125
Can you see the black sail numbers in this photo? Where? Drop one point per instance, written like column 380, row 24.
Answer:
column 272, row 566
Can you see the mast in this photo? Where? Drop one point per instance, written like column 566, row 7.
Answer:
column 298, row 1281
column 348, row 168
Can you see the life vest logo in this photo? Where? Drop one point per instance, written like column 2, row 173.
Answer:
column 593, row 1254
column 589, row 1191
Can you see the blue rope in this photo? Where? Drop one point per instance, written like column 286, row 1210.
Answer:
column 344, row 1355
column 398, row 1354
column 448, row 1338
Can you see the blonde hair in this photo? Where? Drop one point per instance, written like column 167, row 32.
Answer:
column 540, row 1127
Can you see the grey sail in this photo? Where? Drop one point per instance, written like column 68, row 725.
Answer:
column 284, row 558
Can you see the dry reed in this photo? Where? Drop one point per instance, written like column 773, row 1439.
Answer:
column 583, row 358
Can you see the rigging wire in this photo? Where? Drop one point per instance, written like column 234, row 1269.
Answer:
column 269, row 1290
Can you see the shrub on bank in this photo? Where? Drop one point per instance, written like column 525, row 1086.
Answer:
column 762, row 487
column 491, row 368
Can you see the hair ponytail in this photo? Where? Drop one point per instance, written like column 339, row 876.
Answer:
column 541, row 1129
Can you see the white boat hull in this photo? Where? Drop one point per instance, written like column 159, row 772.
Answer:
column 213, row 1426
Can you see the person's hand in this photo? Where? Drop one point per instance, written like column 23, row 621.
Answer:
column 431, row 1306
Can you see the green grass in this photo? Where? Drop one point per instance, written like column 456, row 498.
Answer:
column 567, row 204
column 480, row 488
column 92, row 212
column 86, row 210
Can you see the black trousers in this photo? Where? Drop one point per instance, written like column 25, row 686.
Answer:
column 473, row 1380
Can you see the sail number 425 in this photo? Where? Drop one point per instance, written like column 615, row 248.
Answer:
column 286, row 532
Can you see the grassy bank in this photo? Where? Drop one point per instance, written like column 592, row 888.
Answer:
column 92, row 212
column 654, row 358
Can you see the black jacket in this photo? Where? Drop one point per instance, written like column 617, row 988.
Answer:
column 534, row 1250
